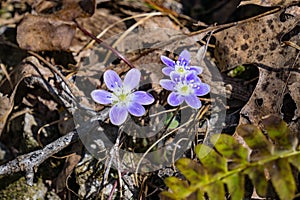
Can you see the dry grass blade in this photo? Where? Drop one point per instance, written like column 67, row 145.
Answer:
column 6, row 75
column 128, row 31
column 91, row 43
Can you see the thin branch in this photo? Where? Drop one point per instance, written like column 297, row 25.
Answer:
column 101, row 42
column 29, row 162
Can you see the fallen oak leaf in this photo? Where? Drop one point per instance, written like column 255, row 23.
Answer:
column 259, row 42
column 54, row 31
column 41, row 33
column 255, row 41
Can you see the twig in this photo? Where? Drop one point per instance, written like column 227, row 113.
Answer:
column 56, row 73
column 112, row 191
column 99, row 41
column 29, row 162
column 6, row 75
column 113, row 158
column 217, row 28
column 206, row 45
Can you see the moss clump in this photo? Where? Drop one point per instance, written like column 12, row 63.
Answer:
column 20, row 190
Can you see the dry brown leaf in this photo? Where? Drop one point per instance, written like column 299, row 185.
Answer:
column 30, row 66
column 73, row 9
column 260, row 41
column 54, row 31
column 5, row 108
column 67, row 10
column 41, row 33
column 70, row 163
column 257, row 41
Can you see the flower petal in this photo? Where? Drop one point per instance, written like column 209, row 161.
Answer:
column 167, row 84
column 102, row 96
column 175, row 77
column 118, row 114
column 192, row 78
column 136, row 109
column 197, row 69
column 184, row 58
column 175, row 99
column 112, row 80
column 167, row 70
column 201, row 89
column 132, row 79
column 193, row 101
column 167, row 61
column 143, row 98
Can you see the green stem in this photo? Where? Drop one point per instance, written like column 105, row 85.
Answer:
column 243, row 168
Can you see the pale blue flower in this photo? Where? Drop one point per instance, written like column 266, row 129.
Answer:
column 185, row 88
column 181, row 66
column 123, row 97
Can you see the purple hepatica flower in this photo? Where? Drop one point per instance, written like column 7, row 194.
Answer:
column 181, row 66
column 186, row 89
column 122, row 98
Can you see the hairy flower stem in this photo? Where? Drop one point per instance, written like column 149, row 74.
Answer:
column 102, row 43
column 171, row 119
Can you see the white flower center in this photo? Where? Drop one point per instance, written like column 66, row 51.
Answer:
column 180, row 68
column 121, row 95
column 184, row 89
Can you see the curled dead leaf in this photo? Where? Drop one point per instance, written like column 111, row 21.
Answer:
column 54, row 31
column 44, row 33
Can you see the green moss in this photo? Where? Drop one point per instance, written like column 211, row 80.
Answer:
column 237, row 71
column 20, row 190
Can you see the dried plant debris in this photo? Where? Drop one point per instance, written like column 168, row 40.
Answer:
column 102, row 21
column 40, row 100
column 69, row 166
column 269, row 2
column 53, row 31
column 5, row 107
column 30, row 108
column 257, row 41
column 260, row 42
column 40, row 33
column 66, row 10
